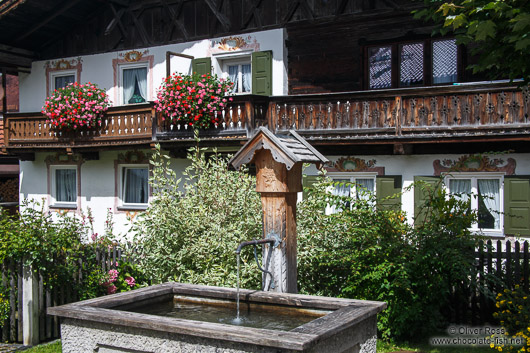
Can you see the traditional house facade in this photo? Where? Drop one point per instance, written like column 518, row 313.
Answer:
column 362, row 81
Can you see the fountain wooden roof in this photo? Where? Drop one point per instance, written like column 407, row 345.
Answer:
column 286, row 148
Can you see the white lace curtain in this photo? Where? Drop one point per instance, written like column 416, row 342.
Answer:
column 65, row 185
column 233, row 73
column 246, row 74
column 63, row 81
column 364, row 188
column 489, row 190
column 135, row 185
column 461, row 188
column 133, row 78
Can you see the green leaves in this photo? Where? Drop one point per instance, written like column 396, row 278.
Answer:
column 498, row 29
column 194, row 224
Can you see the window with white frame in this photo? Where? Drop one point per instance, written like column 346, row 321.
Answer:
column 356, row 186
column 64, row 186
column 239, row 71
column 134, row 186
column 133, row 83
column 61, row 79
column 484, row 192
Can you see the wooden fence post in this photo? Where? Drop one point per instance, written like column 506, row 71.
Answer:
column 30, row 304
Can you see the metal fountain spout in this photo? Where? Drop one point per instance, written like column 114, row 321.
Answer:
column 254, row 242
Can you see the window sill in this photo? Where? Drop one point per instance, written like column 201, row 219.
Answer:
column 488, row 233
column 60, row 206
column 132, row 207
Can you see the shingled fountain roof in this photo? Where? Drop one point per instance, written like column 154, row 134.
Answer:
column 287, row 148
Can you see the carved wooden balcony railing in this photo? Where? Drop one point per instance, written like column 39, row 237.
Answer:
column 413, row 113
column 121, row 125
column 486, row 111
column 237, row 121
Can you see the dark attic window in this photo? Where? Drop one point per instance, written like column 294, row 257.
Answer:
column 412, row 64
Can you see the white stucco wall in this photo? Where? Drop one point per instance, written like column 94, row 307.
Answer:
column 98, row 180
column 98, row 188
column 98, row 68
column 422, row 165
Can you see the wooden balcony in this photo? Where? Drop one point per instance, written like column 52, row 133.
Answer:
column 129, row 125
column 465, row 112
column 482, row 112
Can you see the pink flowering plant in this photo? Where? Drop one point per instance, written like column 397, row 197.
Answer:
column 77, row 106
column 195, row 100
column 123, row 278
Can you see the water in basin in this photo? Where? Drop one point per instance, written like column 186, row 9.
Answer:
column 273, row 317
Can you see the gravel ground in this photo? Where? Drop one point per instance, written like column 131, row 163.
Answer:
column 8, row 348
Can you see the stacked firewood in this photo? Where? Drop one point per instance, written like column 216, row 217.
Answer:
column 9, row 190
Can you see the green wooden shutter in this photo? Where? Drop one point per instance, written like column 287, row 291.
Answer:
column 307, row 182
column 517, row 205
column 262, row 73
column 386, row 187
column 421, row 195
column 202, row 66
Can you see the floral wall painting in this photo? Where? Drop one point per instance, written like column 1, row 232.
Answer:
column 133, row 55
column 355, row 165
column 474, row 163
column 234, row 43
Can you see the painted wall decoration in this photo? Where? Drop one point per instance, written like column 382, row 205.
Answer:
column 235, row 43
column 133, row 55
column 52, row 66
column 356, row 165
column 474, row 163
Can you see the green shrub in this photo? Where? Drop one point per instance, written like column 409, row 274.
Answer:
column 513, row 313
column 369, row 252
column 4, row 307
column 192, row 228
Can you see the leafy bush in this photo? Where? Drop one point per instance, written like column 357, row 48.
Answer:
column 513, row 313
column 191, row 229
column 369, row 252
column 55, row 247
column 4, row 307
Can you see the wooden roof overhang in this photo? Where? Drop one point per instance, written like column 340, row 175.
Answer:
column 287, row 148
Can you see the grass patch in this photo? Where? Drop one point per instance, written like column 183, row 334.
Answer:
column 385, row 347
column 53, row 347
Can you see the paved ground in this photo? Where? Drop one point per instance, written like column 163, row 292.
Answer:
column 8, row 348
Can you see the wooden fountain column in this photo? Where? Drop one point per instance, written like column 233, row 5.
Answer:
column 278, row 188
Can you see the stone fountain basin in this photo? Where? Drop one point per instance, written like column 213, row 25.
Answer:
column 104, row 325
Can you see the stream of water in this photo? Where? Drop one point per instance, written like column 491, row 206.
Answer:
column 237, row 295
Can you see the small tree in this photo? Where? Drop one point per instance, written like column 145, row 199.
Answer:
column 192, row 228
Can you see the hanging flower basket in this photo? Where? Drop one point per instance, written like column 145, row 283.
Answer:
column 76, row 107
column 195, row 100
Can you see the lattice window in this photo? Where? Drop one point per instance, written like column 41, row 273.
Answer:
column 444, row 53
column 380, row 67
column 411, row 64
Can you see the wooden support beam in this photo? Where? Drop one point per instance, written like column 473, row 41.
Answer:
column 14, row 60
column 140, row 27
column 174, row 15
column 50, row 15
column 4, row 90
column 253, row 13
column 223, row 20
